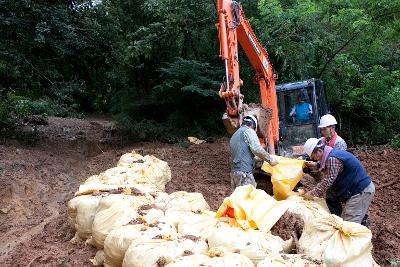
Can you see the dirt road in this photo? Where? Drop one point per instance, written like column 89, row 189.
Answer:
column 39, row 177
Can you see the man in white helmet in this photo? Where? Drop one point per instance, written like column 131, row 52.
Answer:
column 329, row 135
column 245, row 145
column 348, row 187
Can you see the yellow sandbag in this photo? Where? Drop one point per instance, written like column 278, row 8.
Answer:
column 174, row 217
column 128, row 159
column 337, row 242
column 151, row 216
column 290, row 260
column 195, row 140
column 118, row 214
column 98, row 259
column 152, row 171
column 253, row 208
column 72, row 206
column 194, row 260
column 254, row 244
column 81, row 212
column 307, row 209
column 160, row 251
column 161, row 200
column 119, row 240
column 182, row 200
column 111, row 199
column 284, row 176
column 200, row 225
column 192, row 244
column 216, row 257
column 134, row 169
column 149, row 172
column 97, row 186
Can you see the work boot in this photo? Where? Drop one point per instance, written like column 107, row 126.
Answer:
column 365, row 221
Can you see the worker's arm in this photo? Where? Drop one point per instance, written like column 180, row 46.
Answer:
column 334, row 167
column 293, row 111
column 251, row 139
column 309, row 109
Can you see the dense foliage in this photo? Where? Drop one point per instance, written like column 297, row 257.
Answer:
column 154, row 63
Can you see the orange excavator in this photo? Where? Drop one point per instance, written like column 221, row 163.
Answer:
column 235, row 29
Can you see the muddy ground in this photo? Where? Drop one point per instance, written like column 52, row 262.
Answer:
column 38, row 177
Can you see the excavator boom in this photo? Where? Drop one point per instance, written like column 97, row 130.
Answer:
column 234, row 28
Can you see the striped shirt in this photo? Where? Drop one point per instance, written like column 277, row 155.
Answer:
column 340, row 144
column 333, row 167
column 251, row 139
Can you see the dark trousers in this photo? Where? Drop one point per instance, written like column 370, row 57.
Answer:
column 333, row 202
column 354, row 209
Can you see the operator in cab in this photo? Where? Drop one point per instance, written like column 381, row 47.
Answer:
column 348, row 187
column 244, row 146
column 301, row 111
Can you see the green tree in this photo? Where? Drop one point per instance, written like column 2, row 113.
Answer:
column 345, row 43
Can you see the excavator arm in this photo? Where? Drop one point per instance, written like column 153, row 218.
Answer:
column 234, row 28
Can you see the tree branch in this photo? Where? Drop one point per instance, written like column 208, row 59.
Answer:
column 351, row 39
column 40, row 73
column 195, row 53
column 337, row 52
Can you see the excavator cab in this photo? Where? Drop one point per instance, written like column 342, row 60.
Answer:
column 301, row 105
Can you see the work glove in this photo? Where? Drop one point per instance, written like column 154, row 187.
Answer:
column 312, row 165
column 273, row 162
column 304, row 157
column 308, row 196
column 305, row 195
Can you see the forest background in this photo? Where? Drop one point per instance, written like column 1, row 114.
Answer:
column 154, row 64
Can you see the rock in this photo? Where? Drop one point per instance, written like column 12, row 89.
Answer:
column 5, row 210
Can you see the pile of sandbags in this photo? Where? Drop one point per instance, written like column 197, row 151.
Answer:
column 325, row 238
column 126, row 215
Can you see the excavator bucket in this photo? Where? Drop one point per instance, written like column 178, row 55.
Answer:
column 231, row 124
column 263, row 116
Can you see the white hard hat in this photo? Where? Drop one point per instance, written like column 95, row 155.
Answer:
column 252, row 118
column 310, row 145
column 327, row 120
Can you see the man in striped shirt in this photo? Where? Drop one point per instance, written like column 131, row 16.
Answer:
column 345, row 181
